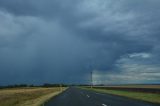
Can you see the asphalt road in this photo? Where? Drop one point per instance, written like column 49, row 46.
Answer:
column 78, row 97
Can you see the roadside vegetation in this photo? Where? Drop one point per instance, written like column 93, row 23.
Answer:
column 139, row 95
column 29, row 96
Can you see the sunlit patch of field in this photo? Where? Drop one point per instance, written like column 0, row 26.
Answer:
column 26, row 96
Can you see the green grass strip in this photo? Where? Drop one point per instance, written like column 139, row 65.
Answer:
column 148, row 97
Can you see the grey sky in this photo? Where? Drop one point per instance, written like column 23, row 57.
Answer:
column 62, row 41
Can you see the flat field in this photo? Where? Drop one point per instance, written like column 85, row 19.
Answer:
column 133, row 88
column 148, row 93
column 26, row 96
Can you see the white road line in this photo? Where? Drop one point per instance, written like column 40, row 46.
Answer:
column 104, row 105
column 88, row 96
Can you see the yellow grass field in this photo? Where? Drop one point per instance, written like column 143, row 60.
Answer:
column 27, row 96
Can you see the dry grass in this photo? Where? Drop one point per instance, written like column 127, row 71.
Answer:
column 26, row 96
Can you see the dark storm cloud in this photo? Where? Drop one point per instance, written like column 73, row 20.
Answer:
column 62, row 41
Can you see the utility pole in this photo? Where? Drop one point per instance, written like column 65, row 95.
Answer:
column 91, row 79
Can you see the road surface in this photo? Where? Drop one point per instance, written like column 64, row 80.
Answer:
column 78, row 97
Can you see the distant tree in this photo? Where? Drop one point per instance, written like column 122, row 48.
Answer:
column 53, row 85
column 31, row 85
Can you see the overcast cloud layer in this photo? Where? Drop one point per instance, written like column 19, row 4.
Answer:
column 63, row 41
